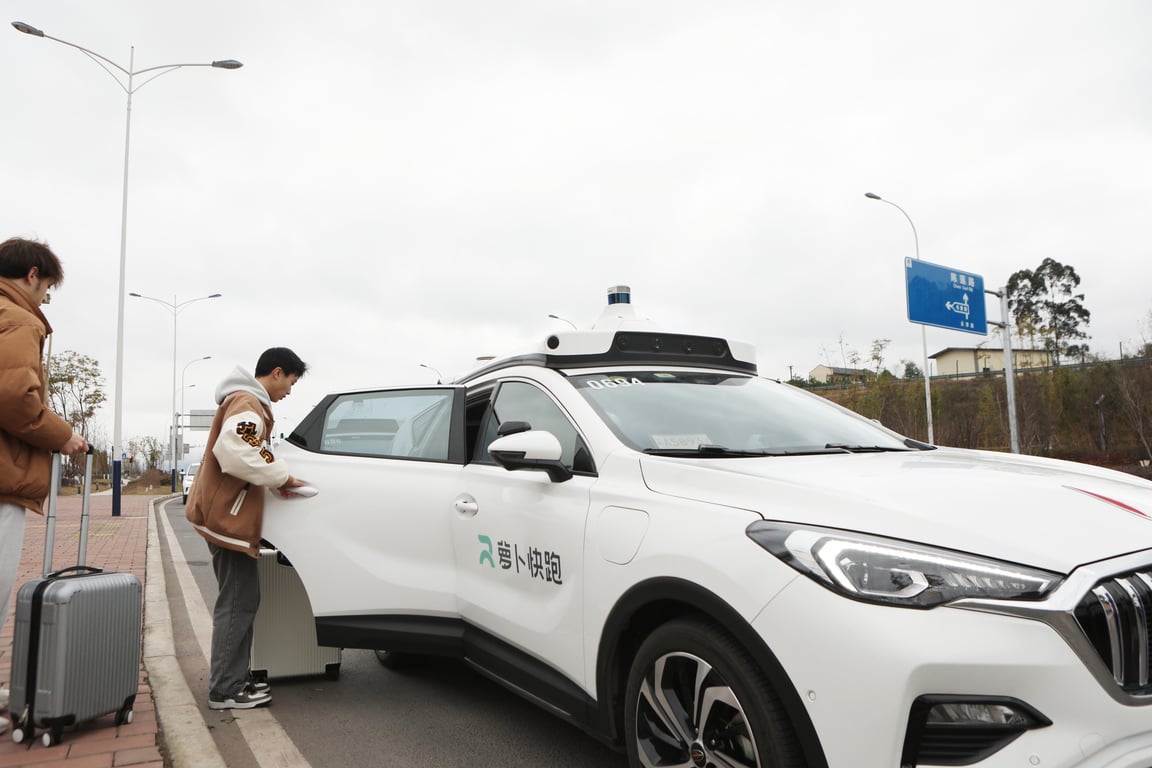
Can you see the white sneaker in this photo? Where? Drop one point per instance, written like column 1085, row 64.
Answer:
column 245, row 699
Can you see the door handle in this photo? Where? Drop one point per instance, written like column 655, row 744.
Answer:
column 466, row 506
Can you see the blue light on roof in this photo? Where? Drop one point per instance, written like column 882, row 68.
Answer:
column 619, row 294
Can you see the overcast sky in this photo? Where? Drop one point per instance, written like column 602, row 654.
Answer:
column 389, row 184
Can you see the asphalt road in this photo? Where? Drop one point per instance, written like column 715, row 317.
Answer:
column 433, row 713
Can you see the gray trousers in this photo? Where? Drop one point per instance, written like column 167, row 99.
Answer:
column 236, row 602
column 11, row 543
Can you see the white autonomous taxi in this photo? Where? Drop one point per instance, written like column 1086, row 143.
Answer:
column 709, row 568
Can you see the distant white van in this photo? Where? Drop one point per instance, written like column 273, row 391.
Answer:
column 189, row 473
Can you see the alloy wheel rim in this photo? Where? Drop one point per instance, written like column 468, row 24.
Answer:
column 689, row 716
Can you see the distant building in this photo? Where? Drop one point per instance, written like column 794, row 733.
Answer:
column 969, row 361
column 833, row 375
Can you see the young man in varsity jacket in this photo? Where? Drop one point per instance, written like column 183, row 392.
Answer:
column 226, row 507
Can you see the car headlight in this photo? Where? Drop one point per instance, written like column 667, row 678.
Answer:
column 893, row 572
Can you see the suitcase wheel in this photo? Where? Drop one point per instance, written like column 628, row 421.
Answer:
column 123, row 717
column 51, row 737
column 332, row 671
column 18, row 735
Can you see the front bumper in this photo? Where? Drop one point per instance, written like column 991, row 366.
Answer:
column 860, row 667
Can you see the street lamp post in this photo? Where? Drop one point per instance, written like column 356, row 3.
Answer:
column 174, row 308
column 180, row 420
column 129, row 88
column 923, row 331
column 565, row 320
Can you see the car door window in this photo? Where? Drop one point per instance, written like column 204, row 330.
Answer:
column 520, row 401
column 411, row 423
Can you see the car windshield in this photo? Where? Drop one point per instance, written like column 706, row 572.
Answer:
column 725, row 414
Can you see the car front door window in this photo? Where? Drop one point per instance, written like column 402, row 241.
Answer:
column 520, row 401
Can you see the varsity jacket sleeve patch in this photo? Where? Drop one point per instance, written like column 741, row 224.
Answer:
column 243, row 451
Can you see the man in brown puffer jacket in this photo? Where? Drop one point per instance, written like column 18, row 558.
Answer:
column 29, row 430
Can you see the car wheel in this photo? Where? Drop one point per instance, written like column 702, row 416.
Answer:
column 696, row 697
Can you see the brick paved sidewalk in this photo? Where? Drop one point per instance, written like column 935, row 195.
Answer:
column 114, row 544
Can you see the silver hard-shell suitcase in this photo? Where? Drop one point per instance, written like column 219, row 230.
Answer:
column 76, row 643
column 284, row 633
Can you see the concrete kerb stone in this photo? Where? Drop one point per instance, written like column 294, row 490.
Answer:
column 186, row 736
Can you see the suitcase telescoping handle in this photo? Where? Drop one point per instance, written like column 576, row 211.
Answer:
column 85, row 510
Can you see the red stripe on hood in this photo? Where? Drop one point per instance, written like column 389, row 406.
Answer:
column 1114, row 502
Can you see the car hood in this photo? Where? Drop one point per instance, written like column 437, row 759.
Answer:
column 1048, row 514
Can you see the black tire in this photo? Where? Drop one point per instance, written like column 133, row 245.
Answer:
column 733, row 719
column 185, row 502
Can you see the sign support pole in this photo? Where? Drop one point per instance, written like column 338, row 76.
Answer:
column 1009, row 368
column 927, row 383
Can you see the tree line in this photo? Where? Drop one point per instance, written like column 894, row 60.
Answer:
column 76, row 392
column 1099, row 412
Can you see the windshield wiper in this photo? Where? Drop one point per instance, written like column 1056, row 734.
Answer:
column 866, row 448
column 709, row 449
column 918, row 445
column 713, row 450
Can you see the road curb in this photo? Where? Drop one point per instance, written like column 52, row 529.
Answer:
column 186, row 737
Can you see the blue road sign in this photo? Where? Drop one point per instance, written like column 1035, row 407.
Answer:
column 945, row 297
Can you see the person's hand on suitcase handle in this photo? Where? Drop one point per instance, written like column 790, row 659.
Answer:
column 76, row 444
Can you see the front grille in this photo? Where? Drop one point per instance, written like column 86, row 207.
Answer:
column 1115, row 615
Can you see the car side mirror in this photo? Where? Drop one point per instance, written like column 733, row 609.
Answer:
column 533, row 450
column 512, row 427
